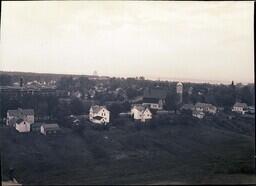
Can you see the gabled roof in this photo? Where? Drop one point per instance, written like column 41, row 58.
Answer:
column 35, row 125
column 19, row 121
column 237, row 104
column 179, row 84
column 154, row 93
column 139, row 107
column 97, row 108
column 53, row 126
column 21, row 112
column 204, row 105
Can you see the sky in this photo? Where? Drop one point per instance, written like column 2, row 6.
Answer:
column 208, row 41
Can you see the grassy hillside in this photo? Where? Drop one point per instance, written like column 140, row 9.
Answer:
column 184, row 152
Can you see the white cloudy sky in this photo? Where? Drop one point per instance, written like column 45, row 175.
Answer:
column 186, row 40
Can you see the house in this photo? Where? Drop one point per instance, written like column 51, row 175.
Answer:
column 187, row 107
column 77, row 94
column 49, row 129
column 22, row 125
column 24, row 114
column 154, row 98
column 36, row 127
column 198, row 114
column 140, row 112
column 240, row 108
column 205, row 107
column 99, row 114
column 251, row 110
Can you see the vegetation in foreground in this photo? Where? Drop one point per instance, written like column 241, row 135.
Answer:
column 182, row 150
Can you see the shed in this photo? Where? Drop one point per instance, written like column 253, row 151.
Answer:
column 50, row 128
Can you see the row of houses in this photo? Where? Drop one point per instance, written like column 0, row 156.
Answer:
column 23, row 120
column 200, row 109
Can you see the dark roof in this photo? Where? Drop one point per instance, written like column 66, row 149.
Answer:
column 243, row 105
column 97, row 108
column 150, row 100
column 48, row 127
column 154, row 93
column 19, row 121
column 20, row 112
column 35, row 125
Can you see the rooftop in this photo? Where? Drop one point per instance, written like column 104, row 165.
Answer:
column 237, row 104
column 52, row 126
column 21, row 112
column 97, row 108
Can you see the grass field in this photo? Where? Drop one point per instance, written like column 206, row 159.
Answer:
column 208, row 151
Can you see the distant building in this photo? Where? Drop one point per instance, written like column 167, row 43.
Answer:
column 154, row 98
column 99, row 114
column 205, row 107
column 140, row 112
column 251, row 109
column 36, row 127
column 22, row 126
column 179, row 91
column 47, row 129
column 187, row 107
column 190, row 90
column 198, row 114
column 240, row 108
column 77, row 94
column 24, row 114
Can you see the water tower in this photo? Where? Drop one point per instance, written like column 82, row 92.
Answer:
column 179, row 91
column 95, row 73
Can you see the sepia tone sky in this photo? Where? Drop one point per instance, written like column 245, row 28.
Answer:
column 180, row 40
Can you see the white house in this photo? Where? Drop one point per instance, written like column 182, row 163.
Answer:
column 49, row 128
column 24, row 114
column 205, row 107
column 22, row 125
column 240, row 108
column 140, row 112
column 99, row 114
column 198, row 114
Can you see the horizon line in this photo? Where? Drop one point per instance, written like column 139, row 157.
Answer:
column 151, row 78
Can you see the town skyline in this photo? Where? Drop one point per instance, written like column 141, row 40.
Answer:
column 156, row 40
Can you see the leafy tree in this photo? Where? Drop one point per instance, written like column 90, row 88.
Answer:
column 5, row 80
column 76, row 106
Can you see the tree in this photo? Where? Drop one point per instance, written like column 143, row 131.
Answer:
column 5, row 80
column 171, row 101
column 245, row 95
column 76, row 106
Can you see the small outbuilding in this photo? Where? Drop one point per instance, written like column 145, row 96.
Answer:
column 47, row 129
column 36, row 127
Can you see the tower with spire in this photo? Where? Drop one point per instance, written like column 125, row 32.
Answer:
column 179, row 91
